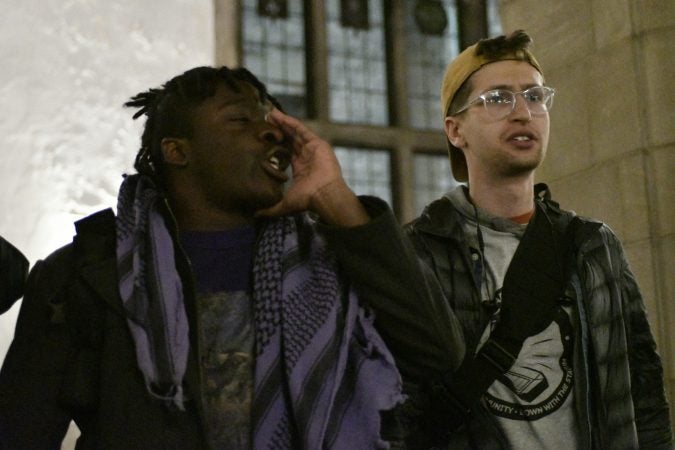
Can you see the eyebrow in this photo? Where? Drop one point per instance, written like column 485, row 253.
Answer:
column 235, row 102
column 510, row 88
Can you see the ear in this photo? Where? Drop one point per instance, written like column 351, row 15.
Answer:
column 453, row 130
column 175, row 151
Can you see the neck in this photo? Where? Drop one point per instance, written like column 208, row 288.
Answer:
column 192, row 214
column 190, row 219
column 506, row 198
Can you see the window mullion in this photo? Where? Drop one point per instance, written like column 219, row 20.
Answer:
column 227, row 33
column 402, row 177
column 403, row 181
column 473, row 22
column 317, row 59
column 396, row 63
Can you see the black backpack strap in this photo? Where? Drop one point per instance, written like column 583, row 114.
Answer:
column 537, row 273
column 534, row 281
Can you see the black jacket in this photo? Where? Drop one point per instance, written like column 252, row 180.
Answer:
column 73, row 357
column 13, row 273
column 619, row 390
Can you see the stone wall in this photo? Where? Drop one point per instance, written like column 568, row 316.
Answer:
column 613, row 130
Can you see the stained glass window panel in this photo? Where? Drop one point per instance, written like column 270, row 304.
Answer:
column 274, row 50
column 432, row 178
column 494, row 21
column 357, row 79
column 428, row 55
column 367, row 171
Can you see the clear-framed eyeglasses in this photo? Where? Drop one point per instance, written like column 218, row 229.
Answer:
column 499, row 103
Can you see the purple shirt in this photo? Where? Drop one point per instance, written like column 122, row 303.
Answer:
column 221, row 260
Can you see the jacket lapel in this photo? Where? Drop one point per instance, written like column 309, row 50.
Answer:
column 102, row 278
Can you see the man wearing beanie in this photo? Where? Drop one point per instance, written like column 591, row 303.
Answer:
column 559, row 352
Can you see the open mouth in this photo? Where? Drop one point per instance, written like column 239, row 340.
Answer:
column 521, row 137
column 278, row 161
column 280, row 158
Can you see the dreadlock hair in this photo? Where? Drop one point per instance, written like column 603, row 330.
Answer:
column 169, row 108
column 493, row 49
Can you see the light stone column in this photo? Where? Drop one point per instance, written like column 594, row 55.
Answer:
column 611, row 154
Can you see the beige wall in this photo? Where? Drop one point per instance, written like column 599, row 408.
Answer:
column 613, row 130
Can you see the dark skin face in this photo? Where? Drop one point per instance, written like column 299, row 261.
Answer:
column 233, row 165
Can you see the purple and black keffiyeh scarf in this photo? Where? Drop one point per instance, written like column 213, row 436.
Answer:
column 151, row 289
column 322, row 373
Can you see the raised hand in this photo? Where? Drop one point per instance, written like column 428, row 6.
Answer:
column 317, row 184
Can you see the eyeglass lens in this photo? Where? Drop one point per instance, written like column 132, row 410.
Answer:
column 500, row 102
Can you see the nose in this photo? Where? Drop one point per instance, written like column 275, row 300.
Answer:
column 272, row 134
column 520, row 110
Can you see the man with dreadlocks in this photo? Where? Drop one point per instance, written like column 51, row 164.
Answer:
column 220, row 309
column 559, row 353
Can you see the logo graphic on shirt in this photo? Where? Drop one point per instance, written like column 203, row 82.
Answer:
column 541, row 378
